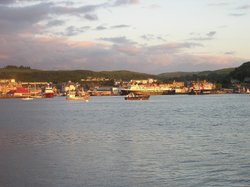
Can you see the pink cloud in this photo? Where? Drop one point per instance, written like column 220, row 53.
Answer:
column 3, row 56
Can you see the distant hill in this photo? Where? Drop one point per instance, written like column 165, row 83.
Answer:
column 29, row 75
column 242, row 73
column 214, row 76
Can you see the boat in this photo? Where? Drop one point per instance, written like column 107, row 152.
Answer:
column 132, row 96
column 73, row 96
column 48, row 92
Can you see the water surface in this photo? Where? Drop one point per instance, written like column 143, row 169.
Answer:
column 165, row 141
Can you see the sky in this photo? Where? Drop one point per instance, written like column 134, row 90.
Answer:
column 150, row 36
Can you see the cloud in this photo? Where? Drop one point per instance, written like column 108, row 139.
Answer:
column 71, row 31
column 100, row 28
column 29, row 14
column 55, row 22
column 150, row 37
column 198, row 37
column 118, row 40
column 119, row 26
column 5, row 2
column 77, row 10
column 230, row 53
column 244, row 7
column 22, row 19
column 171, row 48
column 18, row 19
column 91, row 17
column 211, row 33
column 237, row 14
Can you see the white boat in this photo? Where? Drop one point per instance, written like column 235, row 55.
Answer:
column 72, row 96
column 132, row 96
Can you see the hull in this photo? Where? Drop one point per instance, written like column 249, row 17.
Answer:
column 137, row 97
column 49, row 95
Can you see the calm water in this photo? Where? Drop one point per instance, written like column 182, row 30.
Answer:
column 166, row 141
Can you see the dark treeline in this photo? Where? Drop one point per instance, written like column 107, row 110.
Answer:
column 17, row 67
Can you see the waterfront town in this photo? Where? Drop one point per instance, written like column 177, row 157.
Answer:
column 11, row 88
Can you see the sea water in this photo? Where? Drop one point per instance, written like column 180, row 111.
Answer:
column 177, row 140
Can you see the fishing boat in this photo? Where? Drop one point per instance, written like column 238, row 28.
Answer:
column 48, row 93
column 132, row 96
column 73, row 96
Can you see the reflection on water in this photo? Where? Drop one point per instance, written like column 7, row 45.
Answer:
column 165, row 141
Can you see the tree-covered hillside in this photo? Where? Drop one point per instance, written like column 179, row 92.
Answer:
column 30, row 75
column 242, row 73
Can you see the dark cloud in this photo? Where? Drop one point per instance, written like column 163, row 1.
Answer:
column 111, row 27
column 56, row 22
column 211, row 33
column 237, row 14
column 118, row 40
column 29, row 14
column 101, row 28
column 91, row 17
column 15, row 19
column 119, row 26
column 22, row 19
column 125, row 2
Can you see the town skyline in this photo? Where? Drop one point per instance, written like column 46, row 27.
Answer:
column 144, row 36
